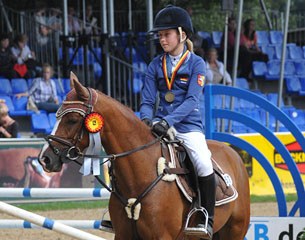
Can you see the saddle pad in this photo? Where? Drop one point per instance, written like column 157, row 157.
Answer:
column 225, row 191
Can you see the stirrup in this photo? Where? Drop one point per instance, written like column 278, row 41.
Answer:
column 201, row 232
column 106, row 225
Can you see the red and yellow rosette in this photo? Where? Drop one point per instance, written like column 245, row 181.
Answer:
column 94, row 122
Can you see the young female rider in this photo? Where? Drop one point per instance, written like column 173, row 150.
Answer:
column 178, row 75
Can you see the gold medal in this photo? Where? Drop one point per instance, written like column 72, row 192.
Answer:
column 169, row 97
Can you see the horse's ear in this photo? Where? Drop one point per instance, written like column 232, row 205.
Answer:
column 81, row 91
column 73, row 78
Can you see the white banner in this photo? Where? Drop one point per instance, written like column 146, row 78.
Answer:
column 276, row 228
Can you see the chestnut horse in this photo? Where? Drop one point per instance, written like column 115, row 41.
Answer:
column 135, row 153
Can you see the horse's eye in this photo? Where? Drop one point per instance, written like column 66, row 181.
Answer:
column 72, row 121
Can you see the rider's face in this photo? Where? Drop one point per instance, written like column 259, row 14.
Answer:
column 169, row 40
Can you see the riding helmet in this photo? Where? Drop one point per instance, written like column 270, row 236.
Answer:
column 172, row 17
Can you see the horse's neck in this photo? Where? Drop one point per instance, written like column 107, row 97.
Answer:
column 123, row 131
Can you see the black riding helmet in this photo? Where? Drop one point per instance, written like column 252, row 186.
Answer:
column 172, row 17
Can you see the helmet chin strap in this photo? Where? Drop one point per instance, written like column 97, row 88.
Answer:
column 180, row 33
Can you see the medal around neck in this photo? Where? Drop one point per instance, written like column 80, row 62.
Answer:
column 169, row 97
column 94, row 122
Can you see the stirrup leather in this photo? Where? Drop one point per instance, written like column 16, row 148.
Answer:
column 199, row 231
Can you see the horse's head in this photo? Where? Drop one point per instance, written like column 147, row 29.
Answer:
column 69, row 137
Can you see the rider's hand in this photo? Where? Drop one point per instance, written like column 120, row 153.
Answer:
column 147, row 121
column 160, row 128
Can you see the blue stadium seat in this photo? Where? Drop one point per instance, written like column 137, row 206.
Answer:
column 6, row 88
column 298, row 117
column 293, row 85
column 59, row 87
column 295, row 53
column 52, row 119
column 141, row 38
column 303, row 48
column 276, row 37
column 273, row 97
column 242, row 83
column 270, row 51
column 300, row 68
column 262, row 38
column 273, row 70
column 289, row 69
column 97, row 70
column 302, row 82
column 278, row 52
column 19, row 85
column 137, row 83
column 40, row 123
column 216, row 38
column 20, row 107
column 259, row 69
column 66, row 84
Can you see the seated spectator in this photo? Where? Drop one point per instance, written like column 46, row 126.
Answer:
column 26, row 65
column 6, row 58
column 43, row 91
column 90, row 25
column 73, row 22
column 8, row 126
column 251, row 50
column 215, row 69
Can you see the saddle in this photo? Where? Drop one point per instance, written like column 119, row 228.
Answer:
column 179, row 168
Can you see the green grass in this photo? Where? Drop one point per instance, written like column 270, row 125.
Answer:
column 62, row 205
column 272, row 198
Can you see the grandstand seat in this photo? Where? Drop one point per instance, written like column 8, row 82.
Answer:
column 273, row 98
column 278, row 52
column 137, row 83
column 302, row 82
column 289, row 69
column 262, row 38
column 295, row 52
column 19, row 85
column 66, row 84
column 270, row 51
column 300, row 68
column 276, row 37
column 259, row 69
column 52, row 119
column 97, row 70
column 40, row 123
column 6, row 88
column 59, row 87
column 303, row 51
column 273, row 70
column 293, row 85
column 216, row 38
column 141, row 39
column 242, row 83
column 298, row 117
column 20, row 106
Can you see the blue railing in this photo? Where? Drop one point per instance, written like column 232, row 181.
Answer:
column 212, row 113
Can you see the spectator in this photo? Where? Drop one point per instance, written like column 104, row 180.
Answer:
column 90, row 25
column 6, row 58
column 43, row 91
column 8, row 126
column 26, row 60
column 73, row 22
column 215, row 69
column 250, row 50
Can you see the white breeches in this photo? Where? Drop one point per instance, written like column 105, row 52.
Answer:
column 199, row 153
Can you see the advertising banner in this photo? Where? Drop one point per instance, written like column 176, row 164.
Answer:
column 276, row 228
column 259, row 180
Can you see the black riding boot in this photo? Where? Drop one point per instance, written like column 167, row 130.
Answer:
column 207, row 186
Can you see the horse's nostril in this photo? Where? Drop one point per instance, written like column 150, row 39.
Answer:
column 47, row 160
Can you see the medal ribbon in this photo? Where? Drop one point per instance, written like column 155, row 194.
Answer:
column 170, row 82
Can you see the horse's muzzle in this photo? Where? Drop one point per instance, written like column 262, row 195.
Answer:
column 50, row 162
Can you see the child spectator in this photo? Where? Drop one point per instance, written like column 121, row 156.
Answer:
column 8, row 126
